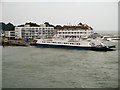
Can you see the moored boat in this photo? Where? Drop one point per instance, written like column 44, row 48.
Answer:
column 72, row 44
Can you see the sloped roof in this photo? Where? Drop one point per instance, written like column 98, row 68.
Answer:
column 73, row 27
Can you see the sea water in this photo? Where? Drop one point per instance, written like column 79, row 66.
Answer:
column 32, row 67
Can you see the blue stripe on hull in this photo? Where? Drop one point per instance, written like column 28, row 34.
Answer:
column 73, row 47
column 62, row 46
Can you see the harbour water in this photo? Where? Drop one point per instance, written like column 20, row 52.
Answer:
column 31, row 67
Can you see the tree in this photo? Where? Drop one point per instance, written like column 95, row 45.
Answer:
column 2, row 26
column 80, row 23
column 48, row 25
column 9, row 27
column 58, row 26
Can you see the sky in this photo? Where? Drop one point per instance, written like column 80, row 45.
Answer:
column 101, row 16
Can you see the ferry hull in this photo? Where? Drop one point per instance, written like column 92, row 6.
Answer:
column 73, row 47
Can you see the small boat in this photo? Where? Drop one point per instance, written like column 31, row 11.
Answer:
column 71, row 44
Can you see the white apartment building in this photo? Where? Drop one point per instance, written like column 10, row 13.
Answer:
column 35, row 32
column 10, row 34
column 75, row 32
column 1, row 33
